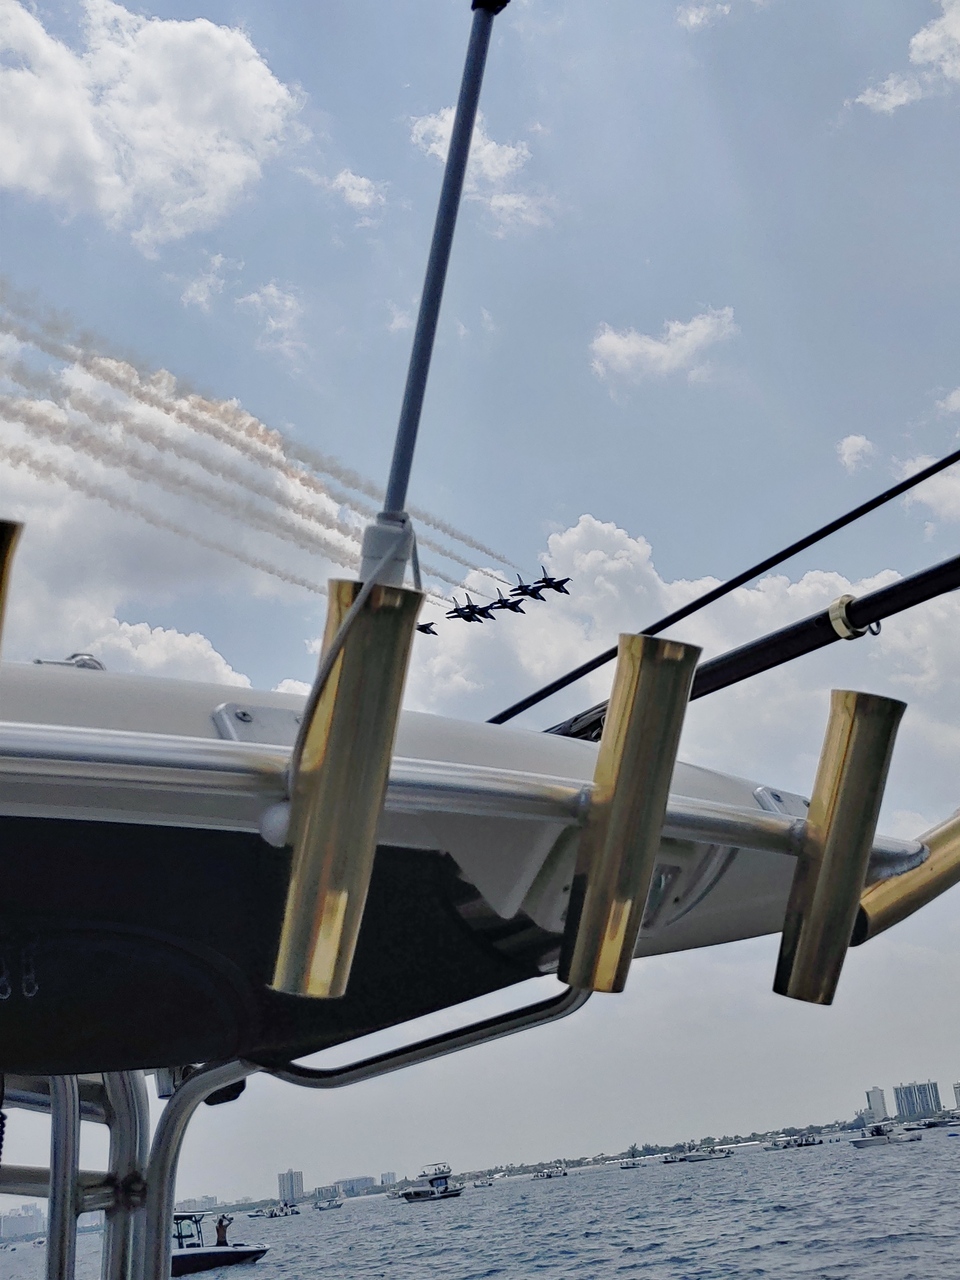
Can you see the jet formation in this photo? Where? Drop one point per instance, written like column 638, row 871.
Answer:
column 470, row 611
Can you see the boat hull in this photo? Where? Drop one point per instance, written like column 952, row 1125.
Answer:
column 187, row 1262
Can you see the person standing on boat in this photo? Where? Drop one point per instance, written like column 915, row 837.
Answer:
column 222, row 1223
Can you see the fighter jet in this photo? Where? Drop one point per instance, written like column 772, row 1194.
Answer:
column 471, row 612
column 546, row 583
column 426, row 628
column 529, row 590
column 515, row 606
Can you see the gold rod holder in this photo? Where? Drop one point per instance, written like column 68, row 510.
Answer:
column 338, row 787
column 889, row 901
column 621, row 839
column 840, row 827
column 10, row 532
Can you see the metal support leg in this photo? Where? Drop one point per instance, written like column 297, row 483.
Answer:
column 165, row 1153
column 64, row 1169
column 129, row 1119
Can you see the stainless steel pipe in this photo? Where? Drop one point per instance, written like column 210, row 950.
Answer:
column 832, row 866
column 338, row 788
column 64, row 1177
column 890, row 901
column 619, row 846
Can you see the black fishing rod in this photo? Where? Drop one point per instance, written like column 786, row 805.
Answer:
column 846, row 619
column 725, row 588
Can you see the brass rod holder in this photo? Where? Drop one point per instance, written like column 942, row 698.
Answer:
column 621, row 839
column 890, row 901
column 10, row 532
column 338, row 788
column 840, row 827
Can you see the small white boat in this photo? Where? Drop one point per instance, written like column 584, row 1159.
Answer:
column 483, row 1182
column 783, row 1143
column 191, row 1254
column 552, row 1171
column 707, row 1153
column 883, row 1135
column 433, row 1184
column 334, row 1203
column 631, row 1162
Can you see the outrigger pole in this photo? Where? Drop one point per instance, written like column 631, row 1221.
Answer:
column 341, row 760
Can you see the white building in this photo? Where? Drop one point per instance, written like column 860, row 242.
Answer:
column 388, row 1179
column 291, row 1185
column 876, row 1104
column 28, row 1220
column 956, row 1094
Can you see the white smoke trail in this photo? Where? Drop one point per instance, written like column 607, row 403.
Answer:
column 125, row 378
column 50, row 471
column 37, row 418
column 52, row 421
column 161, row 391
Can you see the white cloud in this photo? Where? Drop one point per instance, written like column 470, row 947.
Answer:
column 941, row 493
column 628, row 354
column 359, row 193
column 769, row 728
column 292, row 686
column 853, row 452
column 158, row 125
column 399, row 319
column 695, row 16
column 281, row 312
column 200, row 291
column 490, row 172
column 935, row 53
column 951, row 402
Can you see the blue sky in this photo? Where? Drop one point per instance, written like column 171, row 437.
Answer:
column 703, row 246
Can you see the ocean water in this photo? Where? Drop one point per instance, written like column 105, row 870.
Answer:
column 826, row 1213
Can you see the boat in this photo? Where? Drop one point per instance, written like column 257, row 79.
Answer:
column 483, row 1182
column 883, row 1135
column 552, row 1171
column 433, row 1184
column 631, row 1162
column 192, row 1254
column 698, row 1155
column 793, row 1143
column 337, row 1203
column 129, row 804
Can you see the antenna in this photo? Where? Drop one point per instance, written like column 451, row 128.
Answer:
column 390, row 529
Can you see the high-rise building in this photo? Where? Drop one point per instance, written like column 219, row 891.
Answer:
column 956, row 1094
column 388, row 1179
column 291, row 1185
column 915, row 1099
column 355, row 1186
column 876, row 1104
column 28, row 1220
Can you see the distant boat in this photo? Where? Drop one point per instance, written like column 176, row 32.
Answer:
column 483, row 1182
column 883, row 1135
column 333, row 1203
column 192, row 1254
column 784, row 1143
column 552, row 1171
column 698, row 1155
column 433, row 1184
column 631, row 1162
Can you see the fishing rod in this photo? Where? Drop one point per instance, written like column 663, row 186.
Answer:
column 846, row 619
column 717, row 593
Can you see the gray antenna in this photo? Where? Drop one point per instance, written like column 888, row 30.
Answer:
column 391, row 529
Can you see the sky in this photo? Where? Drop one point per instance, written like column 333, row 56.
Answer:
column 702, row 299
